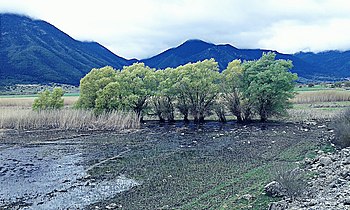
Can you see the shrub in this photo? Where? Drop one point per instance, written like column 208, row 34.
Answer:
column 292, row 181
column 342, row 129
column 47, row 100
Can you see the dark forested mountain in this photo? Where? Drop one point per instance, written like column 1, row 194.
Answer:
column 195, row 50
column 34, row 51
column 332, row 62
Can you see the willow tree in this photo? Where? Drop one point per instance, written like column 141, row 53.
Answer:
column 268, row 85
column 111, row 98
column 93, row 82
column 198, row 84
column 232, row 91
column 163, row 100
column 138, row 83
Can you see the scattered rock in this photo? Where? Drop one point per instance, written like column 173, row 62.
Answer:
column 312, row 202
column 327, row 189
column 325, row 161
column 346, row 161
column 112, row 206
column 274, row 189
column 248, row 197
column 278, row 206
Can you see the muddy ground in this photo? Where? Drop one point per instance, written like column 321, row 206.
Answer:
column 157, row 167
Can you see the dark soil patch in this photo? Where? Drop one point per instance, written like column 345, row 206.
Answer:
column 178, row 165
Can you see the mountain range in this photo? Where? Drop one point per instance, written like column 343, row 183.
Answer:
column 34, row 51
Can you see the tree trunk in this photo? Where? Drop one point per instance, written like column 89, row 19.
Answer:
column 239, row 116
column 186, row 118
column 201, row 118
column 263, row 113
column 161, row 119
column 221, row 115
column 263, row 118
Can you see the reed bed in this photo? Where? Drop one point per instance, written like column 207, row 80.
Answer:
column 27, row 102
column 67, row 119
column 301, row 115
column 70, row 100
column 321, row 96
column 17, row 102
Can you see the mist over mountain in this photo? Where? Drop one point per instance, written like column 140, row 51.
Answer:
column 34, row 51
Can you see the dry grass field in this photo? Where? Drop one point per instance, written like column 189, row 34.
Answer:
column 318, row 104
column 16, row 113
column 26, row 102
column 321, row 96
column 66, row 119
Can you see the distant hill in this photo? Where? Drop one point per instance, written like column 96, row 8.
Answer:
column 34, row 51
column 195, row 50
column 332, row 62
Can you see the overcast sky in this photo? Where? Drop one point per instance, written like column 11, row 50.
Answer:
column 139, row 29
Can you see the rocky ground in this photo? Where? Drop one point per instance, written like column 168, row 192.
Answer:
column 161, row 166
column 328, row 188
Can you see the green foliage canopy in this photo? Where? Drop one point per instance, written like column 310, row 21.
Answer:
column 198, row 84
column 262, row 87
column 94, row 81
column 268, row 85
column 47, row 100
column 127, row 89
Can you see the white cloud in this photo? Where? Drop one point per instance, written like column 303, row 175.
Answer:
column 141, row 28
column 292, row 36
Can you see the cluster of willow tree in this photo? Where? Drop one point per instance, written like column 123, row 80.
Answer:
column 261, row 88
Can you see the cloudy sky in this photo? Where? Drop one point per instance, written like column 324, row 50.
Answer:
column 142, row 28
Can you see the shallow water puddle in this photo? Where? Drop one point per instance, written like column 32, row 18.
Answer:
column 51, row 176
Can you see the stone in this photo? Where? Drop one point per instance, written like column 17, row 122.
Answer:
column 327, row 189
column 325, row 161
column 248, row 197
column 112, row 206
column 347, row 161
column 345, row 174
column 281, row 205
column 312, row 202
column 274, row 189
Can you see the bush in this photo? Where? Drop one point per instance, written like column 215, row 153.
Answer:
column 47, row 100
column 342, row 129
column 292, row 181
